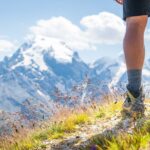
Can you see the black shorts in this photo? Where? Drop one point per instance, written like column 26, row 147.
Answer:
column 136, row 8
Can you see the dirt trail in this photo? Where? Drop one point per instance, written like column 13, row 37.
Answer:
column 84, row 133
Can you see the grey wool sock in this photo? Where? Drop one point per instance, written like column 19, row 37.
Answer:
column 134, row 81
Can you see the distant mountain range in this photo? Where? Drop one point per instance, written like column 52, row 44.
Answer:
column 45, row 70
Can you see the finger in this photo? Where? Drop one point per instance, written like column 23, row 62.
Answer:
column 119, row 1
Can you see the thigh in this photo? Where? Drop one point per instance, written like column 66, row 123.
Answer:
column 136, row 24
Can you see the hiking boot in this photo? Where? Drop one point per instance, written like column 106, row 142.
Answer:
column 133, row 107
column 138, row 107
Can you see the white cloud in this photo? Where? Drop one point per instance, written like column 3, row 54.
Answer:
column 61, row 28
column 4, row 44
column 6, row 48
column 147, row 35
column 103, row 28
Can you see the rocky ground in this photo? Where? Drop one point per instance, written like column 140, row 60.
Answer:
column 87, row 132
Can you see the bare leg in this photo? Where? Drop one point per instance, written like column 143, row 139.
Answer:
column 134, row 42
column 134, row 55
column 135, row 52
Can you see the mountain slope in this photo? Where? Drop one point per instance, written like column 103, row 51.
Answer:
column 45, row 70
column 107, row 133
column 35, row 71
column 94, row 128
column 112, row 72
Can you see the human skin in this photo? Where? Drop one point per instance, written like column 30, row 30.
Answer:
column 133, row 42
column 119, row 1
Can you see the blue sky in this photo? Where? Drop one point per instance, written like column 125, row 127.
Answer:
column 16, row 17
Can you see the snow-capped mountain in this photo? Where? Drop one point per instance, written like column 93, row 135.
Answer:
column 113, row 72
column 36, row 70
column 31, row 53
column 45, row 70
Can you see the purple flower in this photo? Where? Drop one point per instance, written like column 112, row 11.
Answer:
column 93, row 147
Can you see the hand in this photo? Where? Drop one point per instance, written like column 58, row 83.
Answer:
column 119, row 1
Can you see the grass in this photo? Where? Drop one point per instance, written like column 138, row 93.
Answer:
column 138, row 140
column 34, row 138
column 59, row 128
column 108, row 110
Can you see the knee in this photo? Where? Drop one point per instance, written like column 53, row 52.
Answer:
column 136, row 25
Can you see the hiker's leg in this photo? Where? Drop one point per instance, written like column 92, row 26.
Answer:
column 134, row 42
column 134, row 51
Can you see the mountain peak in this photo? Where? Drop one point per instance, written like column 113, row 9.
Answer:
column 33, row 50
column 56, row 48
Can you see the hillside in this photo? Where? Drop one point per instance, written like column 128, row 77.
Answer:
column 45, row 71
column 93, row 127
